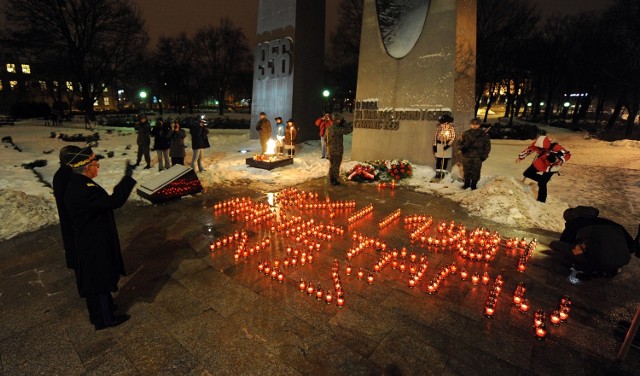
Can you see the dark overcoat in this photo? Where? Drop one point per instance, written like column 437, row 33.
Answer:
column 199, row 136
column 90, row 207
column 161, row 138
column 60, row 182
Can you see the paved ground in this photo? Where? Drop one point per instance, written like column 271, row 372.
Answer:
column 195, row 312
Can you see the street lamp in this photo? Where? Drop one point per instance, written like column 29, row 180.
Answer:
column 326, row 93
column 565, row 110
column 143, row 98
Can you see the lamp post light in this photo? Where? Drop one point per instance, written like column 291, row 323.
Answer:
column 565, row 109
column 326, row 93
column 143, row 98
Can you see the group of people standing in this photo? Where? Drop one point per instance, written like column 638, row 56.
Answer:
column 168, row 142
column 474, row 146
column 286, row 134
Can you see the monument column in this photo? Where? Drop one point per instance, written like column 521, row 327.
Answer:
column 289, row 64
column 417, row 62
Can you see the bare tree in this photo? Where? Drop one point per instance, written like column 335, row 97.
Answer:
column 504, row 29
column 343, row 55
column 96, row 39
column 178, row 64
column 225, row 55
column 623, row 31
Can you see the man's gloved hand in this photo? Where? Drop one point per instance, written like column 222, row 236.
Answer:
column 128, row 170
column 446, row 146
column 552, row 158
column 435, row 149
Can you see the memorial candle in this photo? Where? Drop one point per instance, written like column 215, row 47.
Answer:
column 541, row 332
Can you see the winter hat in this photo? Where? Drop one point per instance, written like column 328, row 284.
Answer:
column 542, row 142
column 580, row 212
column 446, row 118
column 290, row 121
column 74, row 156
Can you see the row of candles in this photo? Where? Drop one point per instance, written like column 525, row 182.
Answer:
column 348, row 204
column 526, row 255
column 233, row 202
column 323, row 232
column 321, row 295
column 391, row 184
column 363, row 243
column 386, row 221
column 227, row 240
column 243, row 252
column 492, row 299
column 293, row 196
column 360, row 214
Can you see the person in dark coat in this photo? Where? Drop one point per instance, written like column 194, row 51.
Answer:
column 290, row 134
column 161, row 143
column 264, row 131
column 335, row 148
column 99, row 262
column 595, row 246
column 475, row 146
column 176, row 147
column 60, row 182
column 199, row 142
column 143, row 129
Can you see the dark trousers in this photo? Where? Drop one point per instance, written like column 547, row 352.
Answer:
column 177, row 160
column 542, row 180
column 143, row 150
column 334, row 166
column 441, row 166
column 100, row 308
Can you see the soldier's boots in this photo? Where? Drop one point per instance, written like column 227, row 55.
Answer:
column 468, row 183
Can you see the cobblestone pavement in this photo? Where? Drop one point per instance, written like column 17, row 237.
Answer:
column 197, row 312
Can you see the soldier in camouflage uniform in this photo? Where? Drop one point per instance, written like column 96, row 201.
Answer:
column 335, row 148
column 475, row 145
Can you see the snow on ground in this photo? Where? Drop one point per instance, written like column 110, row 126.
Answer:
column 602, row 174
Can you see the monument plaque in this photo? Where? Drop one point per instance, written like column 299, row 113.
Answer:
column 417, row 62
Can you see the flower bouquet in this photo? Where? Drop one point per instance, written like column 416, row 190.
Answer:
column 362, row 172
column 383, row 170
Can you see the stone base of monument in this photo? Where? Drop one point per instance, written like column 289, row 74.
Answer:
column 269, row 162
column 170, row 184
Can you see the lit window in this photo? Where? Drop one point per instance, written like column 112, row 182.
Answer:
column 43, row 85
column 0, row 84
column 11, row 68
column 55, row 84
column 13, row 84
column 69, row 86
column 96, row 103
column 26, row 69
column 106, row 101
column 106, row 90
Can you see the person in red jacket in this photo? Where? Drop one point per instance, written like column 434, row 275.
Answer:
column 550, row 156
column 324, row 123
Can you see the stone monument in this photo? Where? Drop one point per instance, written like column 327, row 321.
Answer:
column 417, row 62
column 289, row 64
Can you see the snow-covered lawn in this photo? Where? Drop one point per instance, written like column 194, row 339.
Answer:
column 601, row 174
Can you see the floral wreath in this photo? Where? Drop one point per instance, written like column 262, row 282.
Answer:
column 384, row 170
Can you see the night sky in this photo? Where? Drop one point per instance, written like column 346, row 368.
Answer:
column 170, row 17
